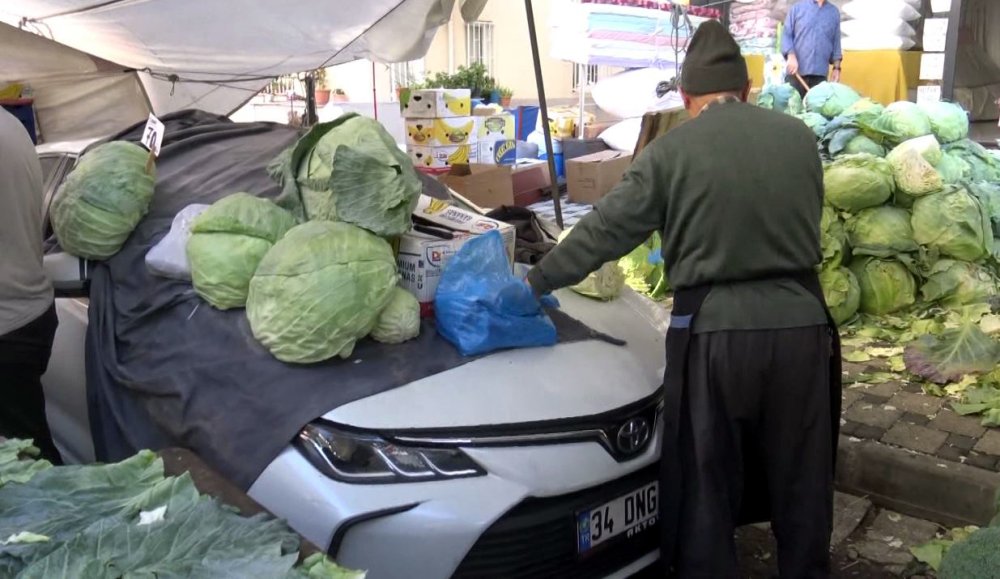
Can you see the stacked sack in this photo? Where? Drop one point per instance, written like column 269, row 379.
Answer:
column 912, row 205
column 753, row 26
column 880, row 24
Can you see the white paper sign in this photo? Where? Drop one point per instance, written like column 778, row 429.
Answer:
column 935, row 34
column 940, row 6
column 152, row 135
column 932, row 66
column 928, row 94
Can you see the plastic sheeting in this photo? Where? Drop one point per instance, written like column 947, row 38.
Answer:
column 215, row 55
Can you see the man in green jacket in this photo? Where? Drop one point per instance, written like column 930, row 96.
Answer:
column 752, row 391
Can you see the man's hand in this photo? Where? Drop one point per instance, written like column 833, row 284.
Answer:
column 792, row 66
column 835, row 75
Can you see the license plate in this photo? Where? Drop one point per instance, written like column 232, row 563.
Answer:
column 627, row 516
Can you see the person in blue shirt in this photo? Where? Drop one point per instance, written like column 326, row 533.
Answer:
column 811, row 43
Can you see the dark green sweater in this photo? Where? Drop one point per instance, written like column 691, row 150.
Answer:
column 737, row 194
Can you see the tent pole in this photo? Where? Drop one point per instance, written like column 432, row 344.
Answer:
column 544, row 111
column 311, row 118
column 582, row 74
column 374, row 92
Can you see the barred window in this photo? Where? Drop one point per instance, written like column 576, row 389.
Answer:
column 479, row 44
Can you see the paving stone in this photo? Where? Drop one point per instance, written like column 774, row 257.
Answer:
column 849, row 397
column 851, row 371
column 951, row 421
column 916, row 403
column 989, row 443
column 869, row 432
column 884, row 390
column 914, row 418
column 877, row 365
column 952, row 453
column 888, row 540
column 872, row 414
column 848, row 428
column 848, row 512
column 913, row 437
column 963, row 442
column 913, row 387
column 979, row 460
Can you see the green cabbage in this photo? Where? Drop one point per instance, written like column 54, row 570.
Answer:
column 866, row 106
column 989, row 197
column 102, row 200
column 881, row 232
column 886, row 285
column 349, row 170
column 400, row 320
column 954, row 223
column 900, row 121
column 830, row 99
column 604, row 284
column 957, row 283
column 862, row 144
column 833, row 239
column 227, row 242
column 643, row 269
column 949, row 121
column 982, row 164
column 953, row 169
column 319, row 290
column 783, row 98
column 815, row 121
column 856, row 182
column 842, row 293
column 913, row 164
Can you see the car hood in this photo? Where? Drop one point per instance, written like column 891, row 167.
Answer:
column 538, row 384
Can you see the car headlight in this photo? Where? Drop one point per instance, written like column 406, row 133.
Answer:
column 363, row 458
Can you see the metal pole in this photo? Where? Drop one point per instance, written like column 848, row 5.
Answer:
column 374, row 93
column 951, row 51
column 311, row 118
column 544, row 111
column 583, row 73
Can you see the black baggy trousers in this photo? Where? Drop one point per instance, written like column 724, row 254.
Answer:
column 24, row 357
column 757, row 400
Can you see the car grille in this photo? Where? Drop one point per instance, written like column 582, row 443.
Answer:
column 537, row 538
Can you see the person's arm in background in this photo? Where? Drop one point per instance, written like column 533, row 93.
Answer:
column 788, row 42
column 838, row 54
column 619, row 223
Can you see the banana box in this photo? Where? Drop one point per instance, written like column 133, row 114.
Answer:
column 421, row 257
column 445, row 132
column 495, row 127
column 435, row 103
column 502, row 152
column 442, row 157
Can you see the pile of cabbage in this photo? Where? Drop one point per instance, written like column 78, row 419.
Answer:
column 912, row 211
column 315, row 270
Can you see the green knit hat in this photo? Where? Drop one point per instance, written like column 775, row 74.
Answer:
column 713, row 63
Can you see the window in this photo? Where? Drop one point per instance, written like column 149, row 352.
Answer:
column 479, row 44
column 593, row 73
column 406, row 73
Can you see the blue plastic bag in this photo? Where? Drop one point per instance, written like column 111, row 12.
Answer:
column 480, row 306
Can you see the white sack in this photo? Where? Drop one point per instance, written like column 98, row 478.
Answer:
column 168, row 258
column 623, row 136
column 630, row 94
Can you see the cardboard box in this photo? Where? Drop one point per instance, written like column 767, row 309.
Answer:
column 442, row 157
column 498, row 152
column 446, row 132
column 590, row 177
column 435, row 103
column 486, row 186
column 495, row 127
column 531, row 182
column 422, row 257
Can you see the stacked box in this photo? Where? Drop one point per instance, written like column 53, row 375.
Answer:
column 497, row 143
column 440, row 131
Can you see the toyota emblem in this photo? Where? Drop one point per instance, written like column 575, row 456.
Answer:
column 633, row 435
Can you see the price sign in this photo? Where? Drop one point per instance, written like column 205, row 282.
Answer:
column 152, row 135
column 935, row 34
column 940, row 6
column 928, row 94
column 932, row 66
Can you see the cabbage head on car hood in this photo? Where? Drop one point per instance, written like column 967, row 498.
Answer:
column 842, row 293
column 856, row 182
column 400, row 320
column 954, row 223
column 227, row 242
column 886, row 285
column 349, row 170
column 102, row 200
column 881, row 232
column 319, row 290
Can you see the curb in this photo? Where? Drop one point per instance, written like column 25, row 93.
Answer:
column 948, row 493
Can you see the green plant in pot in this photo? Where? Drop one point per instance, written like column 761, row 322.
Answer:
column 506, row 94
column 322, row 90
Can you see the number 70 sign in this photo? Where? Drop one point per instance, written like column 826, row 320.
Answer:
column 152, row 135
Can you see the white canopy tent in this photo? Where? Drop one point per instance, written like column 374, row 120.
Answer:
column 212, row 55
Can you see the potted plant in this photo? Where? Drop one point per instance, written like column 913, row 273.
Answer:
column 339, row 96
column 322, row 89
column 505, row 95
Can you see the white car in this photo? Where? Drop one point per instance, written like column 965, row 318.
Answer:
column 528, row 463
